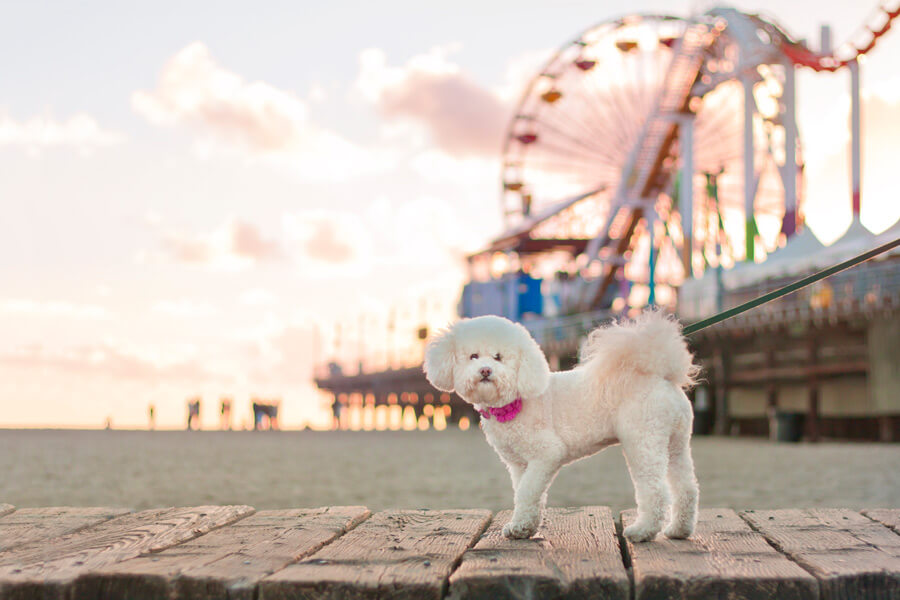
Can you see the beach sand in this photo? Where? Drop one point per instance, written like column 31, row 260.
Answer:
column 449, row 469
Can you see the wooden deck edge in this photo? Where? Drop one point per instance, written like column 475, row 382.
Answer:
column 870, row 576
column 445, row 588
column 380, row 559
column 546, row 565
column 98, row 585
column 889, row 517
column 138, row 585
column 188, row 586
column 778, row 548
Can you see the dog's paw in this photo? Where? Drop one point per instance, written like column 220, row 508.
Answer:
column 519, row 530
column 678, row 531
column 639, row 532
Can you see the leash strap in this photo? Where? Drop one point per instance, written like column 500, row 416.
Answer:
column 793, row 287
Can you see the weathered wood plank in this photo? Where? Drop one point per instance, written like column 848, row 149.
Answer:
column 225, row 563
column 724, row 558
column 886, row 516
column 395, row 554
column 28, row 525
column 47, row 569
column 575, row 555
column 850, row 555
column 5, row 509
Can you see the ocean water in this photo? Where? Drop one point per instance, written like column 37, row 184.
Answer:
column 448, row 469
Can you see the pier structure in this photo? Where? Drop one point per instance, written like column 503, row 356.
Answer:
column 393, row 399
column 655, row 160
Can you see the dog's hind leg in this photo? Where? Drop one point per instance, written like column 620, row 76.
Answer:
column 683, row 482
column 647, row 458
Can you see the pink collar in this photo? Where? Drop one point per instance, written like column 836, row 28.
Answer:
column 504, row 413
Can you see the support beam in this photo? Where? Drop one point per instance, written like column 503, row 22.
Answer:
column 686, row 191
column 855, row 137
column 749, row 168
column 771, row 394
column 651, row 226
column 812, row 417
column 789, row 171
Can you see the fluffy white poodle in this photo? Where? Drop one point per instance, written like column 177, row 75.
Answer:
column 628, row 389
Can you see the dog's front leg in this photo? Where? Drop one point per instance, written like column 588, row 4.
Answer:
column 531, row 489
column 515, row 474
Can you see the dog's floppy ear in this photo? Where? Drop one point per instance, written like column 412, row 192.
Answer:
column 533, row 376
column 440, row 358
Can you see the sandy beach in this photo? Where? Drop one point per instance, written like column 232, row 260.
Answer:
column 448, row 469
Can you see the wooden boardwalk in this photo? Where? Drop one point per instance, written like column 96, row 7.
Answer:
column 235, row 552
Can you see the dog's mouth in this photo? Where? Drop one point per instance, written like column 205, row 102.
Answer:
column 485, row 380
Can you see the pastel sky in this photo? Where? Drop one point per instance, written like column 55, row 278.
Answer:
column 195, row 193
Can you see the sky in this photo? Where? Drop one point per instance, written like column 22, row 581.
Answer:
column 195, row 194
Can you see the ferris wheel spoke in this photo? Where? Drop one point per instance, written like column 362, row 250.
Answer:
column 604, row 125
column 627, row 121
column 604, row 133
column 582, row 141
column 640, row 98
column 583, row 169
column 591, row 128
column 720, row 129
column 588, row 118
column 593, row 150
column 560, row 164
column 640, row 101
column 552, row 147
column 611, row 112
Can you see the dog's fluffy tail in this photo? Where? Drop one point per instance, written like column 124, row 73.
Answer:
column 651, row 343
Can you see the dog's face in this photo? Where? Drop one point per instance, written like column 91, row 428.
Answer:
column 487, row 361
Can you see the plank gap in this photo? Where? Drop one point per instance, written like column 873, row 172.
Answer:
column 626, row 557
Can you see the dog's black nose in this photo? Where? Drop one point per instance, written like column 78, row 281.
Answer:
column 485, row 372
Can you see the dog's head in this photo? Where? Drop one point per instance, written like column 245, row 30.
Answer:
column 488, row 361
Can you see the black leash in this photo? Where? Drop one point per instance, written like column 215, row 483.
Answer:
column 731, row 312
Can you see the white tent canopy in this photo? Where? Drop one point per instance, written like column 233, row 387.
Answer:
column 802, row 252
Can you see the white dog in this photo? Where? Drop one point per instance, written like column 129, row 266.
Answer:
column 627, row 389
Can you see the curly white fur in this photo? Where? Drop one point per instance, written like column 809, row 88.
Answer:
column 627, row 390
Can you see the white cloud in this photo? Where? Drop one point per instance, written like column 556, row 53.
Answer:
column 328, row 242
column 194, row 89
column 281, row 349
column 462, row 117
column 262, row 121
column 234, row 245
column 185, row 308
column 81, row 132
column 258, row 297
column 112, row 360
column 318, row 94
column 474, row 172
column 53, row 309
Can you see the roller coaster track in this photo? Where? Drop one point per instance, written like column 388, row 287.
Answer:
column 878, row 24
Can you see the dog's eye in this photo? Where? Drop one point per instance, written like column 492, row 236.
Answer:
column 497, row 357
column 473, row 357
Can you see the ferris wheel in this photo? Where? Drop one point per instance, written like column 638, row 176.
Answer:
column 652, row 133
